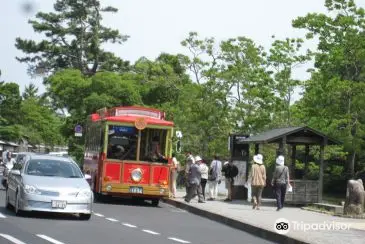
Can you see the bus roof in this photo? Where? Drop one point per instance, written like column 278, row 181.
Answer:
column 130, row 114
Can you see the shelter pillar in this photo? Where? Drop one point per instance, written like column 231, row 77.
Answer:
column 321, row 170
column 306, row 159
column 293, row 157
column 257, row 149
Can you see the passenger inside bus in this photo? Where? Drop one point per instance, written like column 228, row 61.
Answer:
column 122, row 143
column 155, row 153
column 123, row 140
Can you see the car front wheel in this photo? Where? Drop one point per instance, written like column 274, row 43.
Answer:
column 7, row 202
column 17, row 210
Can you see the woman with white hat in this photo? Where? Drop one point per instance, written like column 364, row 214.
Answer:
column 280, row 181
column 204, row 172
column 258, row 180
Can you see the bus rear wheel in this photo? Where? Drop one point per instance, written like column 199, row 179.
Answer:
column 155, row 202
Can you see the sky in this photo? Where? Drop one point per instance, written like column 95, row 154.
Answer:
column 156, row 26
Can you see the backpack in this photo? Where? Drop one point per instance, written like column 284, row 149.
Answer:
column 234, row 171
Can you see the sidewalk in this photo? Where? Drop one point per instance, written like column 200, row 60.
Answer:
column 239, row 214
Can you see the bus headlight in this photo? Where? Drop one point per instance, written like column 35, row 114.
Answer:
column 136, row 175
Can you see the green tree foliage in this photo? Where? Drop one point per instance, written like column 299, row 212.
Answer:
column 81, row 95
column 40, row 124
column 284, row 57
column 334, row 97
column 204, row 106
column 203, row 56
column 10, row 103
column 248, row 84
column 160, row 80
column 30, row 91
column 27, row 119
column 74, row 37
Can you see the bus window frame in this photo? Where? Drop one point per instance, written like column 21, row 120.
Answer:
column 168, row 140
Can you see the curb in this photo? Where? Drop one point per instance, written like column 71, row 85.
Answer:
column 335, row 215
column 251, row 229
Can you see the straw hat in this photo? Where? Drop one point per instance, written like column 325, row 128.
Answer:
column 280, row 160
column 258, row 159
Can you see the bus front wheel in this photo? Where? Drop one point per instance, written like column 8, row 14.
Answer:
column 155, row 202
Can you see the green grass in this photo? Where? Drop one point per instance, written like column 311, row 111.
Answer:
column 333, row 199
column 318, row 209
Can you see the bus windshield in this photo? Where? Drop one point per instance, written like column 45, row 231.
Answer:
column 123, row 140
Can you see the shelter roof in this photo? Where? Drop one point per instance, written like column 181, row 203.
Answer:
column 294, row 135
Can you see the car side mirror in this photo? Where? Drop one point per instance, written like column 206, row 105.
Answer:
column 15, row 172
column 87, row 177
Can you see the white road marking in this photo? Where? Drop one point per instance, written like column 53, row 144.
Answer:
column 151, row 232
column 112, row 220
column 178, row 240
column 47, row 238
column 99, row 215
column 2, row 216
column 12, row 239
column 129, row 225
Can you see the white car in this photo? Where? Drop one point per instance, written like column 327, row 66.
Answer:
column 49, row 184
column 60, row 154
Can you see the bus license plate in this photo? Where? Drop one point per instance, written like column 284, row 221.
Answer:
column 136, row 189
column 59, row 204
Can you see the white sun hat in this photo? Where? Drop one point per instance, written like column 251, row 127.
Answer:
column 258, row 159
column 198, row 158
column 280, row 160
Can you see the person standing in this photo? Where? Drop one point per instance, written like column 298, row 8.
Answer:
column 204, row 173
column 230, row 171
column 5, row 156
column 214, row 177
column 189, row 161
column 194, row 179
column 174, row 172
column 280, row 181
column 257, row 178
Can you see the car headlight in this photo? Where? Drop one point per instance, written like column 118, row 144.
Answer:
column 31, row 190
column 136, row 175
column 84, row 193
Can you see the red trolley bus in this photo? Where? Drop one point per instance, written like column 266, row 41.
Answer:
column 128, row 152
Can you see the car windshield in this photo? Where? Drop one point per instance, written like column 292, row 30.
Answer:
column 53, row 168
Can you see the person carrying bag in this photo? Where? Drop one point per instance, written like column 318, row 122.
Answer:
column 257, row 178
column 280, row 182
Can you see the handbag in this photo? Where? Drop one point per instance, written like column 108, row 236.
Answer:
column 211, row 176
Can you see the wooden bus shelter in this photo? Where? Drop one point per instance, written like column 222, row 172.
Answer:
column 304, row 191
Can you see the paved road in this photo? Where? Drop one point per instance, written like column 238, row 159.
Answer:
column 118, row 221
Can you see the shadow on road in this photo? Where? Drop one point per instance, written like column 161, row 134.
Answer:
column 126, row 201
column 41, row 215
